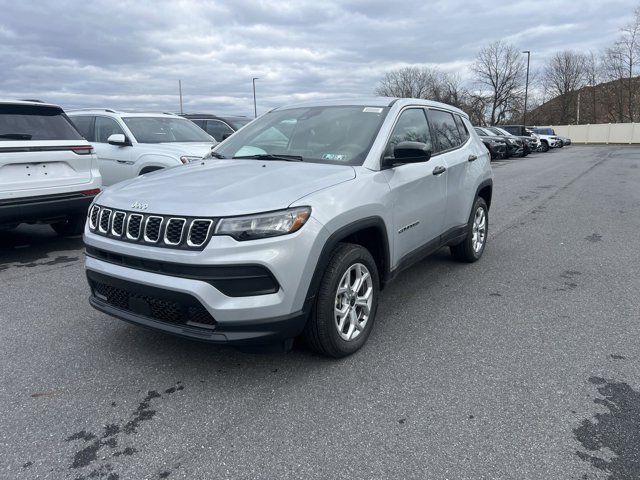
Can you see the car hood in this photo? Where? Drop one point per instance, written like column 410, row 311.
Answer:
column 191, row 149
column 213, row 188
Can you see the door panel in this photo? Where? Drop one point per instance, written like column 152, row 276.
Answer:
column 114, row 161
column 418, row 196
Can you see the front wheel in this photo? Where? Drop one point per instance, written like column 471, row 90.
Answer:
column 472, row 247
column 74, row 225
column 544, row 147
column 346, row 304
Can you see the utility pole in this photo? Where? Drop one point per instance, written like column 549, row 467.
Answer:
column 578, row 113
column 180, row 90
column 526, row 90
column 255, row 109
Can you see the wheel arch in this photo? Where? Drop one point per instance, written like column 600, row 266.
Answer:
column 485, row 190
column 371, row 233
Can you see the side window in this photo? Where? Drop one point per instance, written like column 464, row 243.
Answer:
column 217, row 129
column 84, row 124
column 105, row 127
column 200, row 123
column 412, row 126
column 462, row 128
column 444, row 129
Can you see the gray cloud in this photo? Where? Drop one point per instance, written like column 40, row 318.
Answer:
column 130, row 54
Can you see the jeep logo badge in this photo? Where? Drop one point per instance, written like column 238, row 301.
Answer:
column 139, row 206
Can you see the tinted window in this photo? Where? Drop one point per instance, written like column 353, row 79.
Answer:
column 444, row 130
column 29, row 122
column 462, row 128
column 105, row 127
column 217, row 129
column 84, row 124
column 324, row 134
column 200, row 123
column 165, row 129
column 412, row 126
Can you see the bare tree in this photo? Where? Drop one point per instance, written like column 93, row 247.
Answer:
column 621, row 64
column 499, row 68
column 407, row 82
column 564, row 74
column 592, row 77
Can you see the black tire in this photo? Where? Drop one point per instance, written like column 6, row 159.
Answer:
column 464, row 251
column 74, row 225
column 321, row 331
column 544, row 147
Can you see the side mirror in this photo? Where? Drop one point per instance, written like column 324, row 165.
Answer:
column 408, row 152
column 118, row 139
column 226, row 135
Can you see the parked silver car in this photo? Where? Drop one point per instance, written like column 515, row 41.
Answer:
column 294, row 224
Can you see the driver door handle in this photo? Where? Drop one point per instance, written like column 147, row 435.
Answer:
column 472, row 158
column 439, row 170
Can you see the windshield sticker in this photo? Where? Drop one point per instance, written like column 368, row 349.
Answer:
column 334, row 156
column 372, row 110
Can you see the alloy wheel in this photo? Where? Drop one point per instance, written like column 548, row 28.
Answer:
column 353, row 302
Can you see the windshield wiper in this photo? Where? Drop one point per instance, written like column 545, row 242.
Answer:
column 269, row 156
column 217, row 155
column 16, row 136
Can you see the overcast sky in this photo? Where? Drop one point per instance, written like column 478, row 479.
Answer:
column 130, row 54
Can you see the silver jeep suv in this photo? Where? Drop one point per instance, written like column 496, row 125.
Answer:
column 293, row 225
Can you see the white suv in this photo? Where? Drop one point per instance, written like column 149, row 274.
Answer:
column 131, row 144
column 48, row 172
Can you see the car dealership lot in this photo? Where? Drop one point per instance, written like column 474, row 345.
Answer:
column 488, row 370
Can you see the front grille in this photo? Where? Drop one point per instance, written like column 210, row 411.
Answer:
column 173, row 232
column 105, row 216
column 199, row 232
column 152, row 229
column 152, row 306
column 117, row 226
column 93, row 216
column 133, row 226
column 162, row 231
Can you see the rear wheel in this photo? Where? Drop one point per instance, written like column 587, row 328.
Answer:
column 472, row 247
column 74, row 225
column 346, row 304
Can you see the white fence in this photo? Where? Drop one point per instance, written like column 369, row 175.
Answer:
column 600, row 133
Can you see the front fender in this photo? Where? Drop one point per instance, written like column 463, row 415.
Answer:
column 155, row 160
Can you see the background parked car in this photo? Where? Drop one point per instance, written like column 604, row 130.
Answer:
column 515, row 146
column 131, row 144
column 531, row 142
column 48, row 172
column 497, row 147
column 548, row 136
column 218, row 127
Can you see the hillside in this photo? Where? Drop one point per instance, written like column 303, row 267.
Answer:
column 606, row 102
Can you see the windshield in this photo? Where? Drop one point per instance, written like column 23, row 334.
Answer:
column 544, row 131
column 337, row 134
column 165, row 130
column 31, row 122
column 238, row 123
column 485, row 131
column 499, row 131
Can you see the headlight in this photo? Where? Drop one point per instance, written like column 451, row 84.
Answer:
column 188, row 159
column 264, row 225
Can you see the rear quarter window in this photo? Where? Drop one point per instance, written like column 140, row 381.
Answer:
column 31, row 122
column 444, row 129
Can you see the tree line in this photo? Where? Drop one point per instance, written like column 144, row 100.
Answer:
column 572, row 87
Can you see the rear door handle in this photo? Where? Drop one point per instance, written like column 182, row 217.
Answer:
column 439, row 170
column 472, row 158
column 122, row 161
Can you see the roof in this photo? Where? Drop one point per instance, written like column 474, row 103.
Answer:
column 123, row 113
column 211, row 115
column 28, row 102
column 373, row 102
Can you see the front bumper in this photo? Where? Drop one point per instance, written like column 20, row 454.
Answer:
column 260, row 317
column 44, row 208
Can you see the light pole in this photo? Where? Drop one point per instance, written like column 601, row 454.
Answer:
column 255, row 109
column 526, row 90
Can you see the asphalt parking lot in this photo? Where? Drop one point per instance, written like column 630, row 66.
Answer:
column 524, row 365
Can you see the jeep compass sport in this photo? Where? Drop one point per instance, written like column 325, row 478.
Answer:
column 293, row 225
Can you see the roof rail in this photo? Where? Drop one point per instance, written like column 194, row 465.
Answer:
column 87, row 109
column 35, row 100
